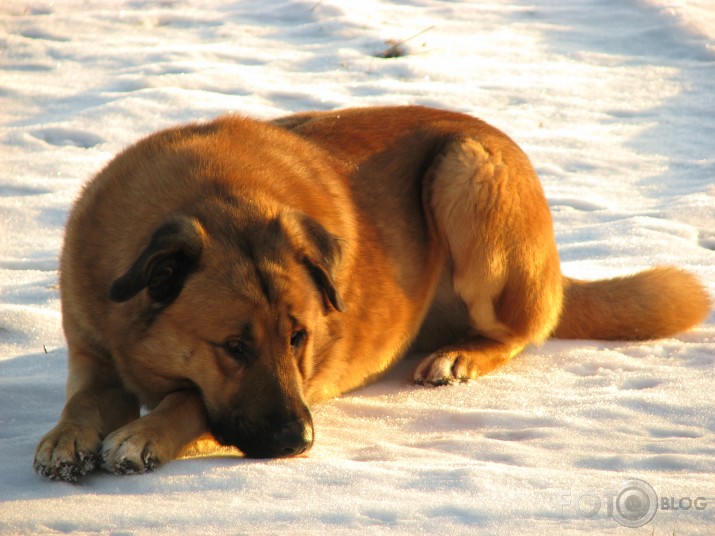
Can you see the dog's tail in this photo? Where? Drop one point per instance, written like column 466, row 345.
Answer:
column 649, row 305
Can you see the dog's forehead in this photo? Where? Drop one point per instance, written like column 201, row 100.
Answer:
column 253, row 279
column 249, row 272
column 238, row 276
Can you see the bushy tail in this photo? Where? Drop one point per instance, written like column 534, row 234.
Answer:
column 649, row 305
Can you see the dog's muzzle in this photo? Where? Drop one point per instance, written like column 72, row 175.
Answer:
column 271, row 439
column 292, row 439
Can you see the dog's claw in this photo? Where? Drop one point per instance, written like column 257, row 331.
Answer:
column 437, row 382
column 126, row 467
column 69, row 472
column 150, row 465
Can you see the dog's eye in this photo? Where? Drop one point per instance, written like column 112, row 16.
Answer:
column 297, row 339
column 238, row 350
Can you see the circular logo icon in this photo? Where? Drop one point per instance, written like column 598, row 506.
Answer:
column 636, row 503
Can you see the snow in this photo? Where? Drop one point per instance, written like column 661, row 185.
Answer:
column 612, row 100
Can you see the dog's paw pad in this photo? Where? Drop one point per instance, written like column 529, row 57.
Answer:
column 67, row 454
column 129, row 458
column 444, row 369
column 68, row 470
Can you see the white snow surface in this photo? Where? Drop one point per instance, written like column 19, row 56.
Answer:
column 614, row 102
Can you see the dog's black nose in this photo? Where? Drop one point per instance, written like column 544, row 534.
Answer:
column 293, row 438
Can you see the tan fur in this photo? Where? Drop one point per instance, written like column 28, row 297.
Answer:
column 653, row 304
column 228, row 275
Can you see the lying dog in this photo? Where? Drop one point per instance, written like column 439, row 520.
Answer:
column 228, row 275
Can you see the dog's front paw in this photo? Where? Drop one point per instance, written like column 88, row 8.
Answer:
column 128, row 451
column 445, row 368
column 68, row 452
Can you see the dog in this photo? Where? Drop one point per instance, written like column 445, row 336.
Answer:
column 228, row 275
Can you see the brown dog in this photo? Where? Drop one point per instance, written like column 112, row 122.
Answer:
column 227, row 275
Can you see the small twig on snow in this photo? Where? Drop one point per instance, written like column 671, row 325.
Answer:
column 395, row 50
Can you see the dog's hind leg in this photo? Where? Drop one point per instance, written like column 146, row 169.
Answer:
column 489, row 208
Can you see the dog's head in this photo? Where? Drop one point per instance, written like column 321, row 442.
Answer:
column 237, row 305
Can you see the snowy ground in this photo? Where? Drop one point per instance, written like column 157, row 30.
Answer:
column 613, row 101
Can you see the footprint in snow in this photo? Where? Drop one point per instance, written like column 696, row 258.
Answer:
column 707, row 240
column 675, row 433
column 577, row 204
column 39, row 33
column 66, row 136
column 638, row 384
column 21, row 191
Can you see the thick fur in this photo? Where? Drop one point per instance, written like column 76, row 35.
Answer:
column 228, row 275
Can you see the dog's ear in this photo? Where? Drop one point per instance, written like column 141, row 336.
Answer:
column 319, row 251
column 170, row 257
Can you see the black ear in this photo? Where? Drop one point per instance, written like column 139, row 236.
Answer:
column 324, row 282
column 170, row 257
column 320, row 254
